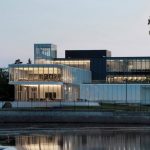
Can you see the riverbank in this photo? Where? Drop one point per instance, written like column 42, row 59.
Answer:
column 60, row 116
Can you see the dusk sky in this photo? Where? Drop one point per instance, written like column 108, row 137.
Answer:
column 116, row 25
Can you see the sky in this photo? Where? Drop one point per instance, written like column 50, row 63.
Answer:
column 116, row 25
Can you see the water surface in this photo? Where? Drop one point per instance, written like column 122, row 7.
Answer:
column 74, row 137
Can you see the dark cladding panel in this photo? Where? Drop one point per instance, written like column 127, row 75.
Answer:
column 86, row 54
column 98, row 69
column 102, row 69
column 97, row 61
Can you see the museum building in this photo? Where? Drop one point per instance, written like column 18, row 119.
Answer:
column 82, row 75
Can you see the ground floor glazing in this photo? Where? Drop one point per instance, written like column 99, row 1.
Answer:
column 46, row 92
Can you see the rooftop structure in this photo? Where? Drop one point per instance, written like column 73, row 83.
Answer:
column 43, row 53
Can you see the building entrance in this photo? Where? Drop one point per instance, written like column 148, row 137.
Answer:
column 50, row 95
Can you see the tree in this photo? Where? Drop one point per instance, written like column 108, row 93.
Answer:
column 6, row 90
column 17, row 61
column 29, row 61
column 149, row 24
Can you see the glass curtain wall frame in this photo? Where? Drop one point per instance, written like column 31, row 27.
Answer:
column 126, row 64
column 83, row 64
column 66, row 92
column 111, row 93
column 127, row 79
column 131, row 69
column 30, row 79
column 35, row 73
column 71, row 92
column 47, row 73
column 41, row 92
column 76, row 75
column 43, row 53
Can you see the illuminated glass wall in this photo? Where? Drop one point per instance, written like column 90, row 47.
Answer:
column 128, row 69
column 45, row 73
column 47, row 82
column 46, row 92
column 35, row 73
column 28, row 92
column 83, row 64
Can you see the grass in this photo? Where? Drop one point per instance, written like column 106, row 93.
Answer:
column 110, row 107
column 101, row 107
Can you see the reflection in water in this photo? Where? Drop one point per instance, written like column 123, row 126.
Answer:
column 87, row 140
column 97, row 141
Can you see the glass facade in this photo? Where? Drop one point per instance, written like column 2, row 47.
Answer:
column 116, row 93
column 47, row 82
column 46, row 92
column 128, row 69
column 38, row 92
column 35, row 73
column 43, row 53
column 52, row 78
column 48, row 73
column 83, row 64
